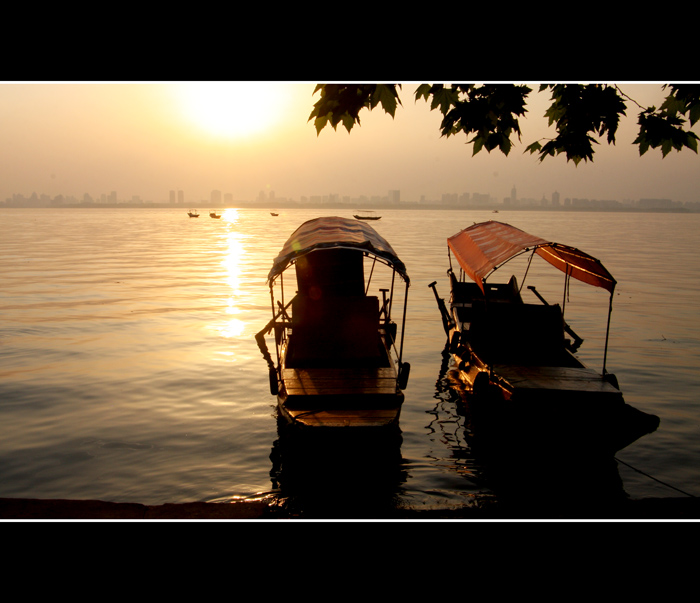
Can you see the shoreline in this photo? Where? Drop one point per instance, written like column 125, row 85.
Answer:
column 29, row 509
column 407, row 205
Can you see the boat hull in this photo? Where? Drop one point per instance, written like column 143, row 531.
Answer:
column 567, row 406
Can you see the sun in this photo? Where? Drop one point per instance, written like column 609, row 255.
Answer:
column 232, row 109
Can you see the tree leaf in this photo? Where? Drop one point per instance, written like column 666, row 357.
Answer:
column 387, row 96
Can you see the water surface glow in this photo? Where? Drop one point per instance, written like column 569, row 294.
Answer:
column 129, row 371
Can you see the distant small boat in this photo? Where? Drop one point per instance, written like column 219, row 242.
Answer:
column 193, row 213
column 273, row 214
column 213, row 214
column 369, row 216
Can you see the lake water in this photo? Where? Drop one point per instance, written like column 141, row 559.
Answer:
column 129, row 370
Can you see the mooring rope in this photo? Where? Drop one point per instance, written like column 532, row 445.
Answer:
column 655, row 479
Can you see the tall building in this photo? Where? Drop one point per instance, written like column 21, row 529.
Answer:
column 394, row 196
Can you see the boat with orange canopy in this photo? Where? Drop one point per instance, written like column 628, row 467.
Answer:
column 516, row 356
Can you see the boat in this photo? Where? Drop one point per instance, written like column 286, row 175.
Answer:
column 273, row 214
column 519, row 357
column 193, row 213
column 337, row 359
column 368, row 216
column 213, row 214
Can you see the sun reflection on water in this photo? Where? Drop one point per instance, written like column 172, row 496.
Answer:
column 232, row 262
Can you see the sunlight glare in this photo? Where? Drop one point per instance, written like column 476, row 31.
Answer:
column 233, row 109
column 230, row 215
column 233, row 327
column 232, row 261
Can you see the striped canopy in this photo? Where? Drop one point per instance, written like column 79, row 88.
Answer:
column 482, row 248
column 338, row 233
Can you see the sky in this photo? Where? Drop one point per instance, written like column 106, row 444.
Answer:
column 146, row 139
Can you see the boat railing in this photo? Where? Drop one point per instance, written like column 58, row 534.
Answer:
column 577, row 340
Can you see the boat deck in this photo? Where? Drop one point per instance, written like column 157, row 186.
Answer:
column 348, row 382
column 559, row 378
column 364, row 397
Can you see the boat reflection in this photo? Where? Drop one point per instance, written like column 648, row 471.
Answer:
column 530, row 473
column 337, row 474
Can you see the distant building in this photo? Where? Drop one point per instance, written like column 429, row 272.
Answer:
column 481, row 198
column 655, row 203
column 449, row 198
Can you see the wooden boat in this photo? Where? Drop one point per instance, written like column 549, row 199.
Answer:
column 366, row 217
column 516, row 356
column 337, row 358
column 193, row 213
column 213, row 214
column 273, row 214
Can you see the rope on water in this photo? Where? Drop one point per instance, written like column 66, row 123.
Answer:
column 655, row 479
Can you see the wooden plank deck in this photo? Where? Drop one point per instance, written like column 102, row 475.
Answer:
column 557, row 378
column 340, row 381
column 345, row 418
column 341, row 397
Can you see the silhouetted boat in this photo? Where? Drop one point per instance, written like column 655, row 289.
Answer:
column 273, row 214
column 336, row 353
column 193, row 213
column 367, row 217
column 213, row 214
column 514, row 356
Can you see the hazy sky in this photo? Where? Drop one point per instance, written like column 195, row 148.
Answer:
column 149, row 138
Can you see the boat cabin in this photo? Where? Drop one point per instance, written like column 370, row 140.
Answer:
column 333, row 322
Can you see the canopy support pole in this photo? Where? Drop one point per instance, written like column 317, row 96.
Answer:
column 371, row 272
column 403, row 325
column 391, row 295
column 532, row 255
column 567, row 281
column 607, row 334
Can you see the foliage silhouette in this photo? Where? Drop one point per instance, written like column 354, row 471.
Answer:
column 490, row 112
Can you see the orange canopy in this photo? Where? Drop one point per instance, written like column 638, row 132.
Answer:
column 482, row 248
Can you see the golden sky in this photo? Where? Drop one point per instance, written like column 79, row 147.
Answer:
column 146, row 139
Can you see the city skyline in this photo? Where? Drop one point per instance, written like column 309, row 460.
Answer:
column 144, row 140
column 176, row 198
